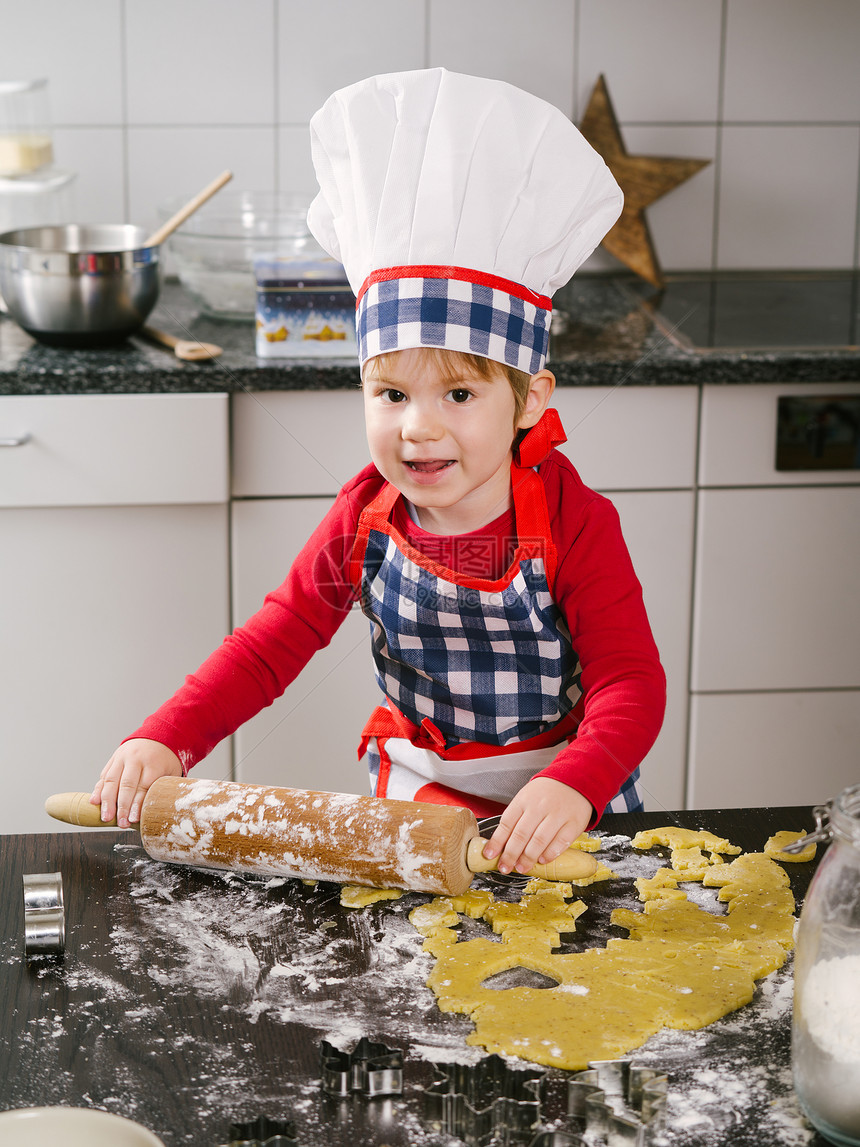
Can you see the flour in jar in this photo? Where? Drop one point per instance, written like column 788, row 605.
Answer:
column 826, row 1045
column 831, row 1007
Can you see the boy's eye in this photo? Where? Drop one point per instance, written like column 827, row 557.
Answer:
column 392, row 395
column 461, row 394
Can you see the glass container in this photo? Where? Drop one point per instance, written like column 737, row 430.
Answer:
column 25, row 131
column 214, row 251
column 43, row 199
column 826, row 1023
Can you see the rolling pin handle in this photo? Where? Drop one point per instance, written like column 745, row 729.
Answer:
column 571, row 865
column 75, row 808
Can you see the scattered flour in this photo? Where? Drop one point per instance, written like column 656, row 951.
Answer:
column 731, row 1083
column 280, row 953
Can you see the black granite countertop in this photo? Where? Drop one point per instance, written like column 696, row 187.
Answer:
column 189, row 999
column 607, row 331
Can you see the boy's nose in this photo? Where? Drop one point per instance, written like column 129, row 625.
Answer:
column 422, row 423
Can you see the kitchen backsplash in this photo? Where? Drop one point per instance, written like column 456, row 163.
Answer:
column 151, row 98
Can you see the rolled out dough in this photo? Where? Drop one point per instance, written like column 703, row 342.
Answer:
column 680, row 967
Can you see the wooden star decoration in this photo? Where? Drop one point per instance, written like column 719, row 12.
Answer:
column 642, row 178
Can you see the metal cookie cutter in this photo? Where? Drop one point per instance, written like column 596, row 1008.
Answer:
column 370, row 1068
column 557, row 1139
column 484, row 1101
column 622, row 1103
column 44, row 914
column 263, row 1132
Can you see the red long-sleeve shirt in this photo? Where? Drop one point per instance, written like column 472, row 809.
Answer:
column 623, row 684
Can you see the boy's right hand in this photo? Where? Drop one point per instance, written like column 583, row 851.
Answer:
column 128, row 774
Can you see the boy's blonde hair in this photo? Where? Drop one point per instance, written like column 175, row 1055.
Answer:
column 455, row 364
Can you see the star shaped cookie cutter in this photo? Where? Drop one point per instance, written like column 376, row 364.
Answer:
column 263, row 1132
column 621, row 1102
column 370, row 1068
column 558, row 1139
column 484, row 1101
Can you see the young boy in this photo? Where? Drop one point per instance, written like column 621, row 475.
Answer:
column 510, row 641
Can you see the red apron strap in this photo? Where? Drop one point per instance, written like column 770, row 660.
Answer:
column 534, row 535
column 374, row 516
column 533, row 525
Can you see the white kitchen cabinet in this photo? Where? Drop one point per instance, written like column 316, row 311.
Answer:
column 308, row 738
column 738, row 436
column 636, row 438
column 765, row 749
column 775, row 665
column 292, row 451
column 113, row 578
column 777, row 575
column 292, row 443
column 658, row 529
column 114, row 450
column 638, row 446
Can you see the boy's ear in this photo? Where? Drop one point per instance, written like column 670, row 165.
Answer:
column 541, row 386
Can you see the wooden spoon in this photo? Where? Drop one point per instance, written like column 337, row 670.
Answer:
column 158, row 237
column 183, row 348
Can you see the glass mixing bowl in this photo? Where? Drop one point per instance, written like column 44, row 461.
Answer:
column 213, row 252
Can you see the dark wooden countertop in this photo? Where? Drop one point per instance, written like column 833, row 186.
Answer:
column 187, row 1000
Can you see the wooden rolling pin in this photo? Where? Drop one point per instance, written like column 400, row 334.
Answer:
column 313, row 835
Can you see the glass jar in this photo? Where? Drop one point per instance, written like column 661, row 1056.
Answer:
column 825, row 1048
column 25, row 131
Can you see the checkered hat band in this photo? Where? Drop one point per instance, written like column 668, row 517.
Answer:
column 490, row 666
column 454, row 314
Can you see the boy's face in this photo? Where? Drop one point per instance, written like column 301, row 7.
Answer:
column 446, row 445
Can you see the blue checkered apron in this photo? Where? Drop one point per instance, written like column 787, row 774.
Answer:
column 480, row 678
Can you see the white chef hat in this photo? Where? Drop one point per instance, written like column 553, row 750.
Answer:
column 457, row 206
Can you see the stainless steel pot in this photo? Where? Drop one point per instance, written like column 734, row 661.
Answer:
column 79, row 285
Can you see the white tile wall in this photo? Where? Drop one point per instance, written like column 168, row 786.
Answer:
column 167, row 162
column 792, row 61
column 527, row 44
column 327, row 44
column 788, row 196
column 153, row 97
column 199, row 61
column 96, row 154
column 77, row 47
column 661, row 60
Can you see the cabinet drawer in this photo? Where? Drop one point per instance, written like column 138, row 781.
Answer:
column 91, row 450
column 297, row 443
column 738, row 440
column 658, row 529
column 309, row 736
column 766, row 749
column 311, row 443
column 776, row 589
column 638, row 439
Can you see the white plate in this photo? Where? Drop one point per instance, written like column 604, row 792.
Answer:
column 71, row 1126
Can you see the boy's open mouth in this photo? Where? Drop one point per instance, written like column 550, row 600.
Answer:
column 430, row 467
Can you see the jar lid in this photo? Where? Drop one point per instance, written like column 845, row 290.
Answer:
column 840, row 817
column 845, row 814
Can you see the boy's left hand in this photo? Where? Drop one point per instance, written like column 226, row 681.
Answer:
column 538, row 825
